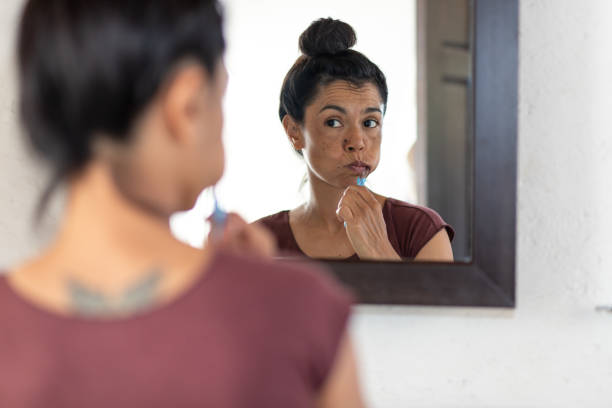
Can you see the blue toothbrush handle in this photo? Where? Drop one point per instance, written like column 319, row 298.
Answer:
column 219, row 216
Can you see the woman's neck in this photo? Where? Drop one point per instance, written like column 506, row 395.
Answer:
column 96, row 209
column 321, row 209
column 107, row 242
column 110, row 257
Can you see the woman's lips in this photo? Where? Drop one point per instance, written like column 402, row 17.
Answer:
column 360, row 168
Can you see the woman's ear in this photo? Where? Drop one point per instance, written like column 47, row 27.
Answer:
column 182, row 101
column 294, row 132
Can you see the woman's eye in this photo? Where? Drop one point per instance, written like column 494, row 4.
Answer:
column 333, row 123
column 371, row 123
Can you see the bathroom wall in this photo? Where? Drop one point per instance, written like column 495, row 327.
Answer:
column 21, row 179
column 553, row 350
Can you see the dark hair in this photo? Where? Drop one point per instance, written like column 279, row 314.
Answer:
column 326, row 45
column 91, row 67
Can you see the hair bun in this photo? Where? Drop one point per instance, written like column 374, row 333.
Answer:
column 327, row 36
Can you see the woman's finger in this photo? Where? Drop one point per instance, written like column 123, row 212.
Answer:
column 367, row 197
column 345, row 213
column 238, row 236
column 351, row 200
column 356, row 202
column 259, row 240
column 226, row 231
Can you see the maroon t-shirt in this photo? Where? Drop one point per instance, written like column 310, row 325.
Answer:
column 249, row 333
column 409, row 228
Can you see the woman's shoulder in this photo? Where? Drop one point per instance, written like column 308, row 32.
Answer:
column 410, row 227
column 287, row 281
column 281, row 217
column 413, row 212
column 278, row 225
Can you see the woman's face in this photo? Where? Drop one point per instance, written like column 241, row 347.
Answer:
column 341, row 133
column 192, row 155
column 203, row 160
column 177, row 148
column 211, row 126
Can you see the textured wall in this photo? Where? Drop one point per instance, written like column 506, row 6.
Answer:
column 20, row 179
column 554, row 350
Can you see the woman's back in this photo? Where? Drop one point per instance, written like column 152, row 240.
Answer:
column 123, row 100
column 248, row 333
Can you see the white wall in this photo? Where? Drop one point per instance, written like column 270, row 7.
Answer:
column 20, row 178
column 554, row 350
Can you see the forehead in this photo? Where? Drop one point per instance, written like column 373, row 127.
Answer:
column 346, row 94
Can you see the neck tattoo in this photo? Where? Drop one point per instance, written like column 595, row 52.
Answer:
column 94, row 303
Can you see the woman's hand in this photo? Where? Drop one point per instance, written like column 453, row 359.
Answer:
column 365, row 225
column 238, row 236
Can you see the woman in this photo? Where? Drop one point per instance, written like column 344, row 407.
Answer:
column 123, row 100
column 332, row 105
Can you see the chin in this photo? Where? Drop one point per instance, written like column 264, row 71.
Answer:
column 189, row 201
column 213, row 173
column 217, row 174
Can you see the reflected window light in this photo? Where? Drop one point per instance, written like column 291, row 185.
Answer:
column 263, row 175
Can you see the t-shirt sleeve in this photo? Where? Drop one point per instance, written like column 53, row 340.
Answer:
column 278, row 226
column 416, row 226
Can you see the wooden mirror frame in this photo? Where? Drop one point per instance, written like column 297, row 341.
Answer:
column 489, row 279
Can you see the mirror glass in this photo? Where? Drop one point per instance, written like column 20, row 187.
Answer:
column 423, row 48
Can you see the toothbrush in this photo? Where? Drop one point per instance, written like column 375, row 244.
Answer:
column 219, row 216
column 362, row 179
column 360, row 182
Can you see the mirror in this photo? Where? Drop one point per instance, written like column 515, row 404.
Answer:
column 489, row 279
column 425, row 52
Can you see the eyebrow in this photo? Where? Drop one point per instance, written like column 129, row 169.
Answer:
column 342, row 110
column 334, row 107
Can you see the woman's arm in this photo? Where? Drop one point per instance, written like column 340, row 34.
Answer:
column 341, row 389
column 438, row 249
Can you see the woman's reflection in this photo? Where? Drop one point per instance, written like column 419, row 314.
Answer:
column 332, row 105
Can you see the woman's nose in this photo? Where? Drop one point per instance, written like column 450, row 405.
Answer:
column 354, row 142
